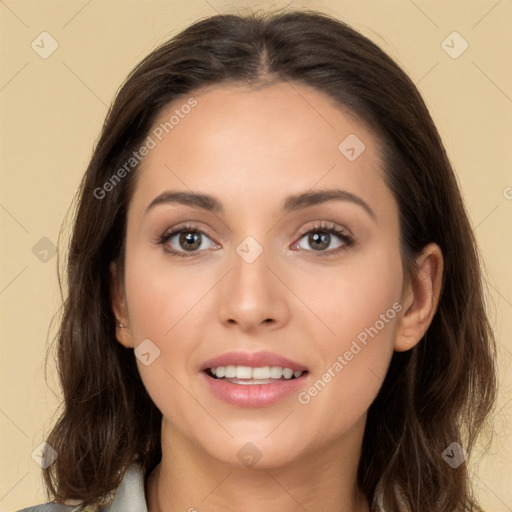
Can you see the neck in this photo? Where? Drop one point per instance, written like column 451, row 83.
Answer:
column 188, row 479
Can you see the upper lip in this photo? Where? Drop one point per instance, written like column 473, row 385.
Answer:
column 253, row 359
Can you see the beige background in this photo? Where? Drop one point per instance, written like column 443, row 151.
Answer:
column 52, row 110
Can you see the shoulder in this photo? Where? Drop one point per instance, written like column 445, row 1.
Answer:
column 57, row 507
column 128, row 497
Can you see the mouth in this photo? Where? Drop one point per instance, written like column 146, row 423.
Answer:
column 253, row 386
column 253, row 379
column 250, row 376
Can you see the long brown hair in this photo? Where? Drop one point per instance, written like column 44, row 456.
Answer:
column 442, row 391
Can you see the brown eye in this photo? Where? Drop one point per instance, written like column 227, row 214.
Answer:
column 186, row 239
column 190, row 241
column 322, row 239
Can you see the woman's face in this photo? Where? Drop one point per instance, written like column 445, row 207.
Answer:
column 257, row 270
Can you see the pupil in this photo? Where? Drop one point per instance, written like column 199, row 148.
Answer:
column 320, row 241
column 192, row 239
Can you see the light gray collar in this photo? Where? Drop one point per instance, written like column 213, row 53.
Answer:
column 130, row 495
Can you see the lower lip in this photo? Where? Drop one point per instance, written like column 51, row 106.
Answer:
column 253, row 395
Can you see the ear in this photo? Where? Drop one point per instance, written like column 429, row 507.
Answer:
column 420, row 298
column 118, row 302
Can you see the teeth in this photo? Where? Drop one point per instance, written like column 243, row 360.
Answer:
column 261, row 373
column 243, row 372
column 287, row 373
column 276, row 372
column 230, row 372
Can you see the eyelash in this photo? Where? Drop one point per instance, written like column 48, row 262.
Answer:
column 322, row 227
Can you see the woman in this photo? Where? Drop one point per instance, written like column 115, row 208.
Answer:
column 275, row 300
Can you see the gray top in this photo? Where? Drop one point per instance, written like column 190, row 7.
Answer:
column 129, row 497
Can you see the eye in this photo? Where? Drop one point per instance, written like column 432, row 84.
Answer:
column 322, row 237
column 189, row 240
column 186, row 239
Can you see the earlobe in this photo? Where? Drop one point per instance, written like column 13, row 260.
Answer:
column 420, row 298
column 123, row 336
column 118, row 303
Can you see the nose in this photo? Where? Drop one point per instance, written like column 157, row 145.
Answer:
column 252, row 297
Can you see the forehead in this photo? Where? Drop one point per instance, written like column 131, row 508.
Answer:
column 241, row 143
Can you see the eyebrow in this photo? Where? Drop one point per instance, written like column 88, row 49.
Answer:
column 291, row 203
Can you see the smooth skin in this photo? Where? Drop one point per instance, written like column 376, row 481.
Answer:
column 251, row 149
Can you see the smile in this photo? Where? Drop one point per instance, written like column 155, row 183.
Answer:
column 248, row 375
column 248, row 387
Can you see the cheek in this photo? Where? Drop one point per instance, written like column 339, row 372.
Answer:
column 160, row 295
column 361, row 308
column 351, row 298
column 164, row 303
